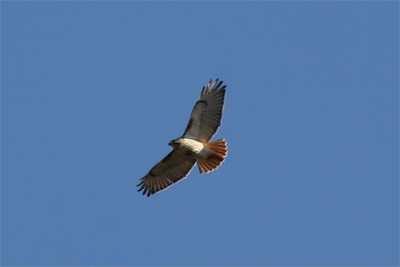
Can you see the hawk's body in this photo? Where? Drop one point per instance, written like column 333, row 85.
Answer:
column 189, row 147
column 194, row 144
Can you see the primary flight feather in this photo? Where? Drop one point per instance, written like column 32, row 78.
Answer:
column 194, row 146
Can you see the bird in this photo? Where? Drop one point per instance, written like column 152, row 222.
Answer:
column 194, row 145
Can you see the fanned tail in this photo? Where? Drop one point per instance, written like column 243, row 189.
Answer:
column 218, row 151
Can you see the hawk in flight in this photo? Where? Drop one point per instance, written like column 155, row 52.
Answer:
column 194, row 146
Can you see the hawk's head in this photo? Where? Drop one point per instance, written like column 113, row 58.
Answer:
column 175, row 143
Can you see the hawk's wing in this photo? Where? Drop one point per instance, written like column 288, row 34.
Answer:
column 173, row 168
column 207, row 113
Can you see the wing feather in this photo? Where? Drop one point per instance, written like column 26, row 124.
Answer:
column 207, row 113
column 173, row 168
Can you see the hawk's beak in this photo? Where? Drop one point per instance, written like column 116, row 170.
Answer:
column 170, row 143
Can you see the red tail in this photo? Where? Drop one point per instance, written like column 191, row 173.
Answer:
column 218, row 151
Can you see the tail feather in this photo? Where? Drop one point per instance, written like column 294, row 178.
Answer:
column 218, row 151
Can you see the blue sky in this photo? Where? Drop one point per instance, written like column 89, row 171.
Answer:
column 92, row 92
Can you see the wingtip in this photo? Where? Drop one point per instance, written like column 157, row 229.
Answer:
column 213, row 86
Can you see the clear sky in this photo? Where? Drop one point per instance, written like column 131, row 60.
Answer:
column 92, row 92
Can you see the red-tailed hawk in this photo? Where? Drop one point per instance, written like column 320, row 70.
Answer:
column 194, row 146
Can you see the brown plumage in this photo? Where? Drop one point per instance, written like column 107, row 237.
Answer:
column 194, row 145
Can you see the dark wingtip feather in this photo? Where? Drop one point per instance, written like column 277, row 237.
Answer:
column 141, row 188
column 212, row 86
column 219, row 84
column 145, row 191
column 202, row 91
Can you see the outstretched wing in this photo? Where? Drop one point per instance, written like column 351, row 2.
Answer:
column 207, row 113
column 173, row 168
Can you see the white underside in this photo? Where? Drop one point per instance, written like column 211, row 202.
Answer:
column 196, row 147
